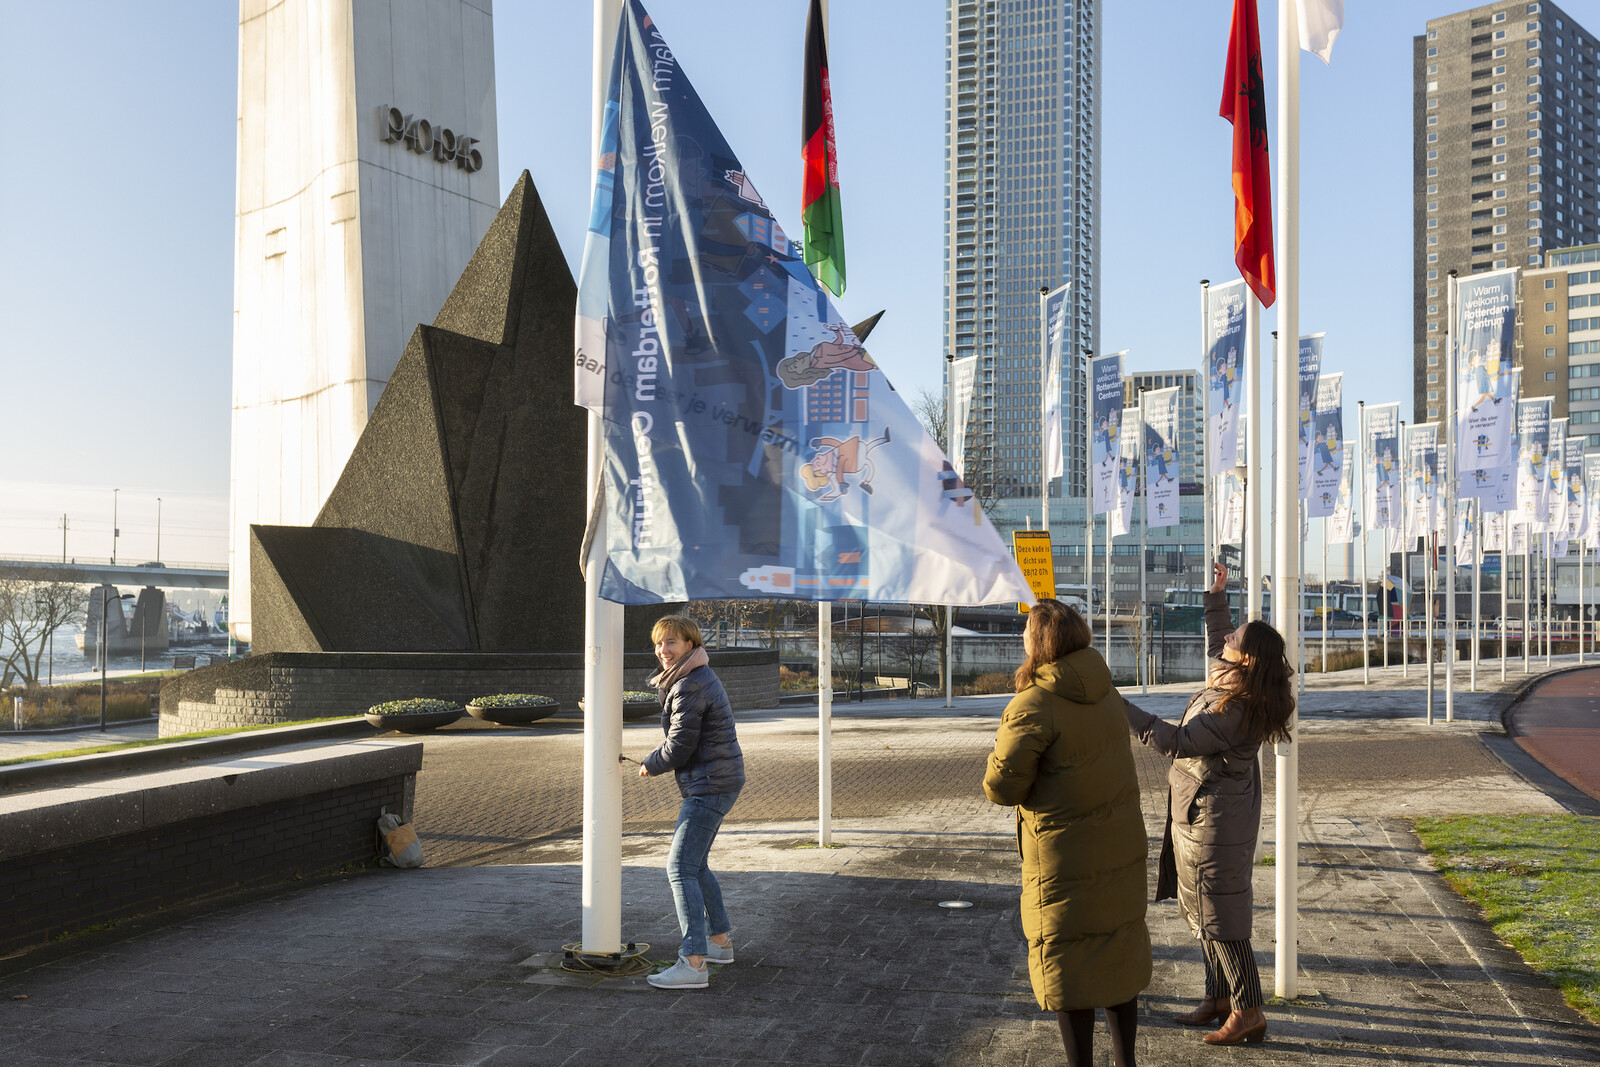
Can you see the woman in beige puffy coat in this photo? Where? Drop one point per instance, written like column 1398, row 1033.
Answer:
column 1062, row 758
column 1214, row 807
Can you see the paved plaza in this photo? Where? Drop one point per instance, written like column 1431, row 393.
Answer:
column 844, row 954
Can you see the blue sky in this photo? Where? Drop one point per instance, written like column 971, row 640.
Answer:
column 116, row 249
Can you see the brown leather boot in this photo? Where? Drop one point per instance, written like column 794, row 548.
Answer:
column 1210, row 1009
column 1241, row 1026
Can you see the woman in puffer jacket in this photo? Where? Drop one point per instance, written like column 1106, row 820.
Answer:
column 702, row 751
column 1062, row 757
column 1214, row 807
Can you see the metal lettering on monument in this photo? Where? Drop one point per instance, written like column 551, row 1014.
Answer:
column 423, row 138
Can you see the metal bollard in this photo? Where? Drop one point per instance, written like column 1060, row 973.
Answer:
column 16, row 713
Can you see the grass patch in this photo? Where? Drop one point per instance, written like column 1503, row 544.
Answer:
column 148, row 741
column 1269, row 860
column 1537, row 880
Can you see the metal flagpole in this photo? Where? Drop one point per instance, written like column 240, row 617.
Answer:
column 1088, row 526
column 602, row 632
column 1505, row 589
column 1429, row 576
column 1406, row 543
column 1527, row 596
column 825, row 720
column 1108, row 582
column 1044, row 406
column 1144, row 611
column 1324, row 596
column 950, row 432
column 1287, row 568
column 1361, row 469
column 1294, row 604
column 1254, row 483
column 1582, row 552
column 1548, row 548
column 1450, row 472
column 1477, row 586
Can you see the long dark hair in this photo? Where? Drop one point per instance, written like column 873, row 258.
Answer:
column 1057, row 631
column 1259, row 686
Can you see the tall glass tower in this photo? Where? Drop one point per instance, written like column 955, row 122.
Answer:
column 1022, row 109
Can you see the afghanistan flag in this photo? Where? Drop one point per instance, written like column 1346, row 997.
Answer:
column 1244, row 103
column 819, row 191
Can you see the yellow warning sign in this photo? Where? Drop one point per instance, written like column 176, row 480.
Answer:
column 1032, row 548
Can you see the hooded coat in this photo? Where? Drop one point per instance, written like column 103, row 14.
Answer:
column 1062, row 757
column 702, row 746
column 1214, row 801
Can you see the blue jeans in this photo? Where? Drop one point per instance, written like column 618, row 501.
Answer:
column 694, row 888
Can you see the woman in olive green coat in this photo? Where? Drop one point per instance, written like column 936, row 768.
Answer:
column 1062, row 758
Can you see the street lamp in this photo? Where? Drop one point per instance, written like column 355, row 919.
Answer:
column 158, row 529
column 115, row 533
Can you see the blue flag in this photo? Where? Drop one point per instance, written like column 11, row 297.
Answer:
column 752, row 446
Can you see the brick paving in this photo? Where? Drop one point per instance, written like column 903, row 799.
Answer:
column 844, row 956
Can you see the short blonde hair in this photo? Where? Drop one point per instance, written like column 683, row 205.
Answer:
column 680, row 626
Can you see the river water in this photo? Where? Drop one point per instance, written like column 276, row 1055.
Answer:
column 70, row 665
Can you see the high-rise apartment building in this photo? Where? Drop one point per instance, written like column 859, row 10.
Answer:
column 1560, row 334
column 1191, row 414
column 1022, row 110
column 1506, row 105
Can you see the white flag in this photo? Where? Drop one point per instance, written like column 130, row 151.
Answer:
column 1320, row 23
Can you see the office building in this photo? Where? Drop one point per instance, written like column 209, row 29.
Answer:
column 1561, row 337
column 1021, row 213
column 1505, row 132
column 1191, row 414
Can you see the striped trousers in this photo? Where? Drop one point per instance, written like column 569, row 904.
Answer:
column 1231, row 973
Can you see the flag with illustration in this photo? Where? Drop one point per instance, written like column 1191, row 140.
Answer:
column 1485, row 329
column 1572, row 488
column 1342, row 524
column 1494, row 485
column 1422, row 479
column 1327, row 453
column 1533, row 448
column 1494, row 533
column 1555, row 468
column 1055, row 346
column 1591, row 481
column 1224, row 327
column 1384, row 462
column 1161, row 463
column 1466, row 544
column 752, row 446
column 1127, row 473
column 1310, row 368
column 1105, row 429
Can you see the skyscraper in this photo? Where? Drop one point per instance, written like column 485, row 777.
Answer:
column 1505, row 133
column 1022, row 108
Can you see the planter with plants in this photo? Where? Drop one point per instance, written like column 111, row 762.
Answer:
column 513, row 709
column 414, row 716
column 636, row 704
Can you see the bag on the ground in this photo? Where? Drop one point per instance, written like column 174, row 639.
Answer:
column 397, row 842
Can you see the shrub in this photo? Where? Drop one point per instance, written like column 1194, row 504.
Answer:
column 512, row 700
column 988, row 684
column 801, row 681
column 417, row 706
column 639, row 696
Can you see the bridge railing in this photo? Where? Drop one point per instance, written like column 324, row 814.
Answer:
column 105, row 561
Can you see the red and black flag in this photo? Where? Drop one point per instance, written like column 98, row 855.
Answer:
column 1244, row 103
column 819, row 189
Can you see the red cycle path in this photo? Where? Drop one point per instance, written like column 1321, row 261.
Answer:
column 1558, row 724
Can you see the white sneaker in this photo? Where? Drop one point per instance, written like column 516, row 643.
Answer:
column 681, row 976
column 716, row 953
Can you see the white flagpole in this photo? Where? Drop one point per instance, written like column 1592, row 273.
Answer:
column 1255, row 482
column 1549, row 592
column 602, row 635
column 1405, row 557
column 1583, row 551
column 1287, row 960
column 1450, row 471
column 1477, row 586
column 825, row 721
column 1044, row 407
column 1430, row 583
column 1361, row 469
column 1301, row 521
column 1206, row 443
column 1324, row 596
column 1144, row 525
column 1527, row 596
column 1108, row 583
column 950, row 432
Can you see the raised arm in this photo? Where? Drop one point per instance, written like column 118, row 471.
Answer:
column 1202, row 735
column 1219, row 620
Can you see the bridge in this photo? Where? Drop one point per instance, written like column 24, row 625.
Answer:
column 162, row 575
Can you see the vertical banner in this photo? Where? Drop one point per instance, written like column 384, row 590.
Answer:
column 1310, row 367
column 1342, row 530
column 1327, row 451
column 1591, row 478
column 1555, row 519
column 1572, row 488
column 1105, row 422
column 1230, row 509
column 1485, row 399
column 1517, row 537
column 1422, row 472
column 1494, row 533
column 962, row 375
column 1465, row 555
column 1384, row 459
column 1127, row 472
column 1224, row 328
column 1161, row 457
column 1533, row 447
column 1055, row 343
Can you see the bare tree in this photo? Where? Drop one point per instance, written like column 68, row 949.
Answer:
column 30, row 611
column 978, row 457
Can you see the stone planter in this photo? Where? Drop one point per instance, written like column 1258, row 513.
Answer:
column 513, row 714
column 414, row 722
column 635, row 710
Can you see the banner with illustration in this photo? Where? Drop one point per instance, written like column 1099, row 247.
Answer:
column 1383, row 462
column 1574, row 490
column 1127, row 473
column 1055, row 344
column 1422, row 479
column 1310, row 368
column 1224, row 333
column 1533, row 447
column 1555, row 471
column 1591, row 481
column 1466, row 544
column 1483, row 481
column 752, row 447
column 1486, row 312
column 1161, row 467
column 1517, row 544
column 1327, row 446
column 963, row 375
column 1105, row 428
column 1342, row 526
column 1494, row 533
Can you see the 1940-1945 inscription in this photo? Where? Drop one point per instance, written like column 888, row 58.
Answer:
column 424, row 138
